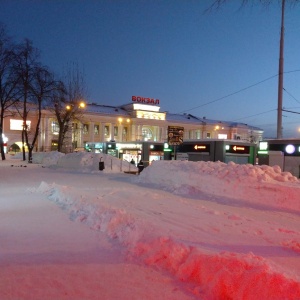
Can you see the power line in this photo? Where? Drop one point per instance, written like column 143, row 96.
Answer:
column 239, row 91
column 291, row 95
column 290, row 111
column 256, row 114
column 231, row 94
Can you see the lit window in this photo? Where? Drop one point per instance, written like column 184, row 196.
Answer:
column 115, row 131
column 106, row 130
column 96, row 129
column 147, row 133
column 85, row 128
column 54, row 127
column 18, row 124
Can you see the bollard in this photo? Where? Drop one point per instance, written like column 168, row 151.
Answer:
column 101, row 164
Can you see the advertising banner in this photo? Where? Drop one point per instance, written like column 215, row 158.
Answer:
column 175, row 135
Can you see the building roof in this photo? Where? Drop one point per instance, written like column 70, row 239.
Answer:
column 106, row 109
column 126, row 110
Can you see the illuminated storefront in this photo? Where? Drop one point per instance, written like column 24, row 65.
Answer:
column 134, row 123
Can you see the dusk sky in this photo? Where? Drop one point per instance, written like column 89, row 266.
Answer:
column 222, row 65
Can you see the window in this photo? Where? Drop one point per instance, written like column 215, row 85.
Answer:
column 54, row 127
column 96, row 129
column 106, row 130
column 85, row 128
column 147, row 133
column 18, row 124
column 208, row 135
column 115, row 131
column 54, row 145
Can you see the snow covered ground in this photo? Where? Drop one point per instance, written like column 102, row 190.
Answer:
column 179, row 230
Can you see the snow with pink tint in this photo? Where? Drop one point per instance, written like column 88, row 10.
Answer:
column 206, row 230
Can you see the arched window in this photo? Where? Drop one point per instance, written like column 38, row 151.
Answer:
column 147, row 134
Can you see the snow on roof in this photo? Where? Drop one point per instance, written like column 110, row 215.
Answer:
column 186, row 118
column 106, row 109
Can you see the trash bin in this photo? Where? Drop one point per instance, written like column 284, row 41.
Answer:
column 101, row 165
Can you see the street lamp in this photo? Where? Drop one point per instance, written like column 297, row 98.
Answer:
column 123, row 129
column 80, row 105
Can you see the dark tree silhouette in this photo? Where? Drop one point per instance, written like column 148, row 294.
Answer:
column 8, row 81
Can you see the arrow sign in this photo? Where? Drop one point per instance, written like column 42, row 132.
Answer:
column 196, row 147
column 236, row 148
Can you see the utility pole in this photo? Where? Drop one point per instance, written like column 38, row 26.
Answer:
column 280, row 77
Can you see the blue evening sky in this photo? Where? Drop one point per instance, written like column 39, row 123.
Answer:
column 222, row 65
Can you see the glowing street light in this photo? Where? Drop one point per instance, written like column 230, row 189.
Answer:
column 80, row 105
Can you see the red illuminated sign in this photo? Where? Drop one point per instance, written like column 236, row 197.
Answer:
column 144, row 100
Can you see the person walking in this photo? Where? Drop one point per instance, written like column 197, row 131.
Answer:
column 140, row 166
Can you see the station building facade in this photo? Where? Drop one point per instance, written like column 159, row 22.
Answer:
column 121, row 130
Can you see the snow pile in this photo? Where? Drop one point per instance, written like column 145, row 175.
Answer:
column 255, row 184
column 193, row 254
column 115, row 222
column 214, row 275
column 80, row 161
column 46, row 158
column 220, row 276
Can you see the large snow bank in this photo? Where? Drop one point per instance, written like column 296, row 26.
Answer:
column 213, row 274
column 256, row 184
column 80, row 161
column 223, row 275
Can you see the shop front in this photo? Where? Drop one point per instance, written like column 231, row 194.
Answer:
column 131, row 152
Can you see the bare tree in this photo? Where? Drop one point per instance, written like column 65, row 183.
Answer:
column 218, row 3
column 26, row 63
column 36, row 84
column 41, row 87
column 68, row 103
column 8, row 81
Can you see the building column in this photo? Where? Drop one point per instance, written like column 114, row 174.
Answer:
column 102, row 132
column 140, row 132
column 111, row 131
column 120, row 132
column 47, row 128
column 41, row 136
column 92, row 132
